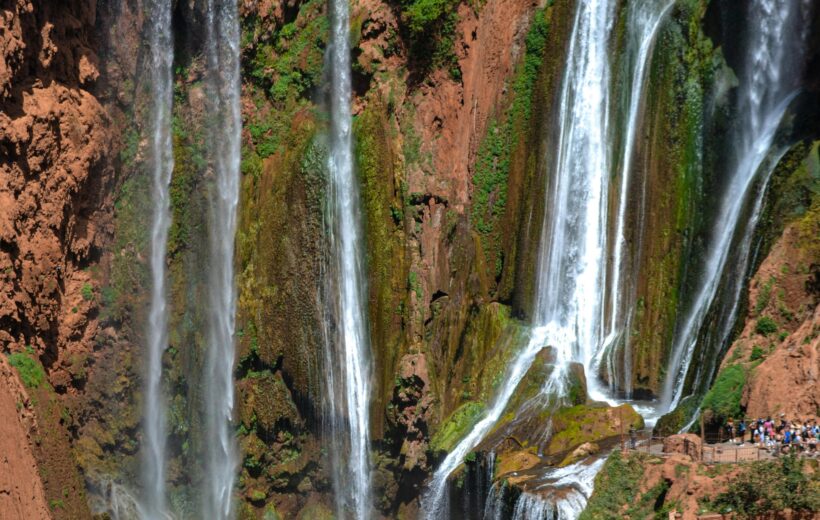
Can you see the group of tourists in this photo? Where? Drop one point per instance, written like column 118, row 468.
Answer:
column 782, row 435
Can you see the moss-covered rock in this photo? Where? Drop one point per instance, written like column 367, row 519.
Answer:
column 456, row 426
column 582, row 423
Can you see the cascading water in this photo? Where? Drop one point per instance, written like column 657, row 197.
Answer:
column 161, row 45
column 571, row 284
column 223, row 84
column 774, row 48
column 568, row 307
column 642, row 26
column 348, row 349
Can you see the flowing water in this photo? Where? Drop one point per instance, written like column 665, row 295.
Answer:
column 558, row 494
column 223, row 86
column 349, row 347
column 767, row 85
column 161, row 46
column 569, row 303
column 643, row 23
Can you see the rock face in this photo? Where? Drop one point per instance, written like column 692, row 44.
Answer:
column 783, row 290
column 21, row 491
column 57, row 146
column 451, row 110
column 778, row 347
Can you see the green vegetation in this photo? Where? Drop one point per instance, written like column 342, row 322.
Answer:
column 456, row 426
column 766, row 326
column 770, row 486
column 617, row 485
column 757, row 353
column 764, row 294
column 88, row 292
column 492, row 166
column 723, row 399
column 284, row 68
column 30, row 370
column 289, row 63
column 431, row 25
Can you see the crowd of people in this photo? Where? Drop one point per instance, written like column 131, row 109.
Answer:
column 781, row 436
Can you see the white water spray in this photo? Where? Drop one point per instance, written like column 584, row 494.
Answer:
column 224, row 88
column 161, row 46
column 767, row 86
column 349, row 345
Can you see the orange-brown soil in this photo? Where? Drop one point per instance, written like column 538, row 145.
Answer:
column 21, row 491
column 788, row 374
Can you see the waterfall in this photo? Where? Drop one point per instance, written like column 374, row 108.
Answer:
column 644, row 20
column 767, row 85
column 161, row 55
column 348, row 350
column 224, row 89
column 559, row 494
column 570, row 271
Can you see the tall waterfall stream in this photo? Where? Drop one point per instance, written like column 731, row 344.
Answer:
column 348, row 347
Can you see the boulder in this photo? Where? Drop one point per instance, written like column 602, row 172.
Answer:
column 685, row 443
column 581, row 452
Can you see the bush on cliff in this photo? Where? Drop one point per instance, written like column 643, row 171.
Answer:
column 30, row 370
column 723, row 399
column 771, row 486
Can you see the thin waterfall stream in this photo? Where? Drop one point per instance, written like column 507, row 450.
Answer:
column 161, row 43
column 643, row 24
column 774, row 49
column 224, row 85
column 348, row 349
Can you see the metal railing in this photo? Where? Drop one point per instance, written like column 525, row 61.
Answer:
column 716, row 452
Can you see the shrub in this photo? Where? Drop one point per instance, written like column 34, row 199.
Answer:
column 30, row 370
column 617, row 484
column 757, row 353
column 766, row 326
column 87, row 292
column 768, row 486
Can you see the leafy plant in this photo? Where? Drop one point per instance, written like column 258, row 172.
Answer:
column 768, row 486
column 87, row 292
column 31, row 372
column 766, row 326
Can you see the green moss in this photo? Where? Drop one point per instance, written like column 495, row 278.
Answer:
column 456, row 426
column 388, row 273
column 29, row 369
column 578, row 424
column 681, row 80
column 723, row 399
